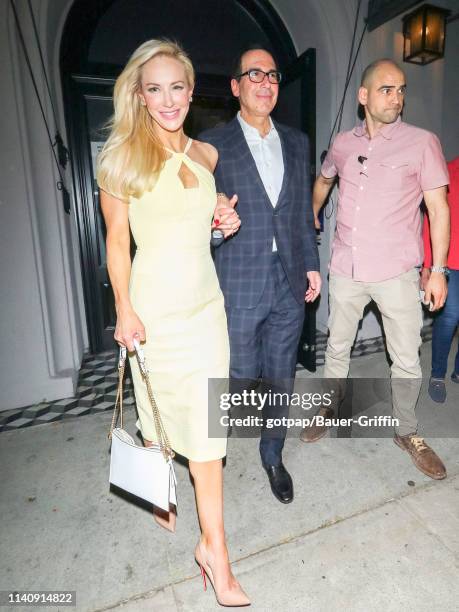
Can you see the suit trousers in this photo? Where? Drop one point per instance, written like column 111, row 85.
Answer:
column 399, row 303
column 263, row 345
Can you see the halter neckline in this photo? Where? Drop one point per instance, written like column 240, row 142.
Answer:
column 185, row 150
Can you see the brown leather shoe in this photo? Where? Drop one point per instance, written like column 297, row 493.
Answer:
column 424, row 458
column 314, row 432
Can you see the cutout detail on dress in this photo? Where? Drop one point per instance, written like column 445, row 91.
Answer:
column 188, row 178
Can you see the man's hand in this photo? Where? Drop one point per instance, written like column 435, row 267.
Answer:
column 436, row 290
column 315, row 283
column 425, row 275
column 322, row 187
column 226, row 218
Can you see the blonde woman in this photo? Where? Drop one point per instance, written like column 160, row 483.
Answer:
column 159, row 184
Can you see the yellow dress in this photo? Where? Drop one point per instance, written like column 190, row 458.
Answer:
column 175, row 291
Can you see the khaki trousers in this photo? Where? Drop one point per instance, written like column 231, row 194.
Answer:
column 400, row 306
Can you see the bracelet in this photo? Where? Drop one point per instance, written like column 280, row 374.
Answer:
column 442, row 269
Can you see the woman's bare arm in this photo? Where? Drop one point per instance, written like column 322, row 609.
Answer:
column 128, row 324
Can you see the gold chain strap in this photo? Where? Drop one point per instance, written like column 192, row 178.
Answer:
column 119, row 399
column 161, row 434
column 163, row 440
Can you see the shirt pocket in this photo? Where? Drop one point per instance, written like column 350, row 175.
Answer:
column 393, row 173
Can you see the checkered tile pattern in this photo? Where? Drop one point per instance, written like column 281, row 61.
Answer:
column 96, row 391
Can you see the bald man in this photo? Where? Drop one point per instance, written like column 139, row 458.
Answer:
column 385, row 168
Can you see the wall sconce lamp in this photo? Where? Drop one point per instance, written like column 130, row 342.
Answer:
column 424, row 33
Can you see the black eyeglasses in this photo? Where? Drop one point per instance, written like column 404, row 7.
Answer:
column 258, row 76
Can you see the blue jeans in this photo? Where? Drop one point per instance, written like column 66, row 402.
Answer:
column 444, row 326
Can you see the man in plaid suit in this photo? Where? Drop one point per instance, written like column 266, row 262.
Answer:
column 269, row 268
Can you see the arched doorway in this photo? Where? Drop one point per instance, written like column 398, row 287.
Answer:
column 97, row 40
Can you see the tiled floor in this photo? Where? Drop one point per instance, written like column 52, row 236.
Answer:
column 96, row 392
column 97, row 384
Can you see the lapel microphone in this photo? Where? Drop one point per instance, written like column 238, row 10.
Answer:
column 361, row 159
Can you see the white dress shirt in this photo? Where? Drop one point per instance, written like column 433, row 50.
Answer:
column 267, row 154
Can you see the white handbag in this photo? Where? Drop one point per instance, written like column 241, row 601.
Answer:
column 147, row 472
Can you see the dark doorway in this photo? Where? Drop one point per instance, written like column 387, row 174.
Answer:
column 97, row 41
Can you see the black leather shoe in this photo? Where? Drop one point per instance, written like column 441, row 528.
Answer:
column 281, row 482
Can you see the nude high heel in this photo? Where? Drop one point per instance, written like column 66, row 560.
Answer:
column 167, row 520
column 234, row 597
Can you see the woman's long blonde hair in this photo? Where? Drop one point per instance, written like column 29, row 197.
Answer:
column 133, row 154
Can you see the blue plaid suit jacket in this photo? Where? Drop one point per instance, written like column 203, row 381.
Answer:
column 244, row 260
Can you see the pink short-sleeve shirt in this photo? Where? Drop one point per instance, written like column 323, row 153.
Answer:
column 381, row 184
